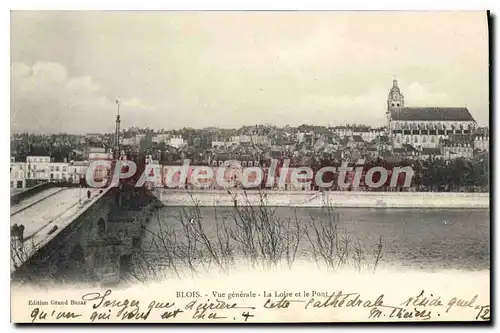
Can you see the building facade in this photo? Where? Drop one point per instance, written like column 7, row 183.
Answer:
column 221, row 143
column 424, row 127
column 482, row 142
column 59, row 171
column 371, row 134
column 160, row 138
column 17, row 174
column 38, row 167
column 77, row 170
column 177, row 142
column 451, row 150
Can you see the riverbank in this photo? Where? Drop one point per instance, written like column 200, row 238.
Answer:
column 170, row 197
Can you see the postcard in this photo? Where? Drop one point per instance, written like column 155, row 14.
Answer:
column 249, row 166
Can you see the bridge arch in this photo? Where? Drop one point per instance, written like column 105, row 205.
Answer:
column 101, row 226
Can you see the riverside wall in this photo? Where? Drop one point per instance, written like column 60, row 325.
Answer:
column 172, row 197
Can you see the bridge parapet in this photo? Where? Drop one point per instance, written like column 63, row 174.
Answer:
column 17, row 197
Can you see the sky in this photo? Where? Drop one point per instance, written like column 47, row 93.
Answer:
column 227, row 69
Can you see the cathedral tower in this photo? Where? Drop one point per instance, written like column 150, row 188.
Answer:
column 395, row 100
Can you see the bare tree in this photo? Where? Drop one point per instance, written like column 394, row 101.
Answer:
column 253, row 232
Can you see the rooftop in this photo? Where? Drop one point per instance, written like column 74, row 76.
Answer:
column 432, row 114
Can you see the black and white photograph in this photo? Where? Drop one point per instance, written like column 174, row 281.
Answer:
column 249, row 166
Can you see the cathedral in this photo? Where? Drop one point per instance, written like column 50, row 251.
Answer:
column 424, row 127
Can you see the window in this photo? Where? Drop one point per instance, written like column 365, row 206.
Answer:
column 57, row 168
column 432, row 138
column 424, row 140
column 51, row 168
column 64, row 169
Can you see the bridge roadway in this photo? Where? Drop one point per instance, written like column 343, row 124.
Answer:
column 41, row 213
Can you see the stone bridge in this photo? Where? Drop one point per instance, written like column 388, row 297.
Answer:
column 77, row 233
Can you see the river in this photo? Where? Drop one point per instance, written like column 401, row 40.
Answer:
column 422, row 239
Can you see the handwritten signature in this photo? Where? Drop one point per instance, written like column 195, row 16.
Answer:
column 421, row 306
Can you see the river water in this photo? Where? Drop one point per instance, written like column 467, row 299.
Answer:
column 427, row 240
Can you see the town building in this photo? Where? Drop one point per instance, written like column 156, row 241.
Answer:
column 260, row 140
column 59, row 171
column 77, row 170
column 430, row 153
column 353, row 141
column 153, row 172
column 131, row 141
column 282, row 146
column 424, row 127
column 96, row 154
column 17, row 174
column 160, row 138
column 342, row 131
column 38, row 168
column 177, row 141
column 239, row 139
column 482, row 142
column 370, row 134
column 221, row 143
column 451, row 149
